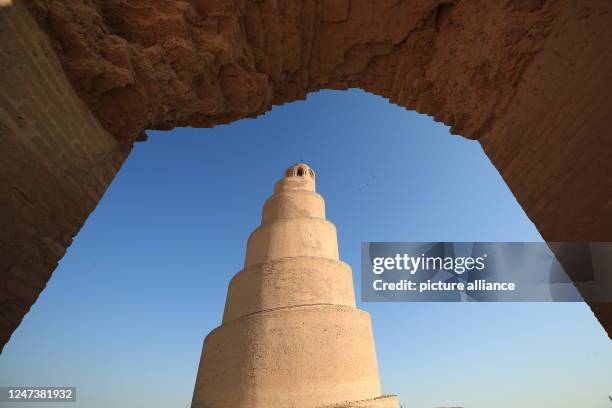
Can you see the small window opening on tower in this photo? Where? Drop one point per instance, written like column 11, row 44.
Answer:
column 300, row 172
column 311, row 173
column 290, row 173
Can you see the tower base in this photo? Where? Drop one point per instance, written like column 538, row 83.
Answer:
column 385, row 401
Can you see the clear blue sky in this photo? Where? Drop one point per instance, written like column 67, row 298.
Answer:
column 125, row 313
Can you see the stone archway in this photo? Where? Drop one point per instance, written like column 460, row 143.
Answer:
column 82, row 80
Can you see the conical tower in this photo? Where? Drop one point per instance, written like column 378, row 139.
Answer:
column 291, row 335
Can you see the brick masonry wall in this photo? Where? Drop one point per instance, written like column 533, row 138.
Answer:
column 56, row 162
column 553, row 144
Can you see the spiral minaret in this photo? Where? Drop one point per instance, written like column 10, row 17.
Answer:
column 291, row 335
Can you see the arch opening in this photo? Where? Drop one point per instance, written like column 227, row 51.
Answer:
column 96, row 64
column 186, row 148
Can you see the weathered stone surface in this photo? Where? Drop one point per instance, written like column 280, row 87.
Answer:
column 531, row 79
column 153, row 64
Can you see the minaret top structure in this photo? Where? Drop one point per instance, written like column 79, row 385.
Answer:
column 300, row 170
column 300, row 176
